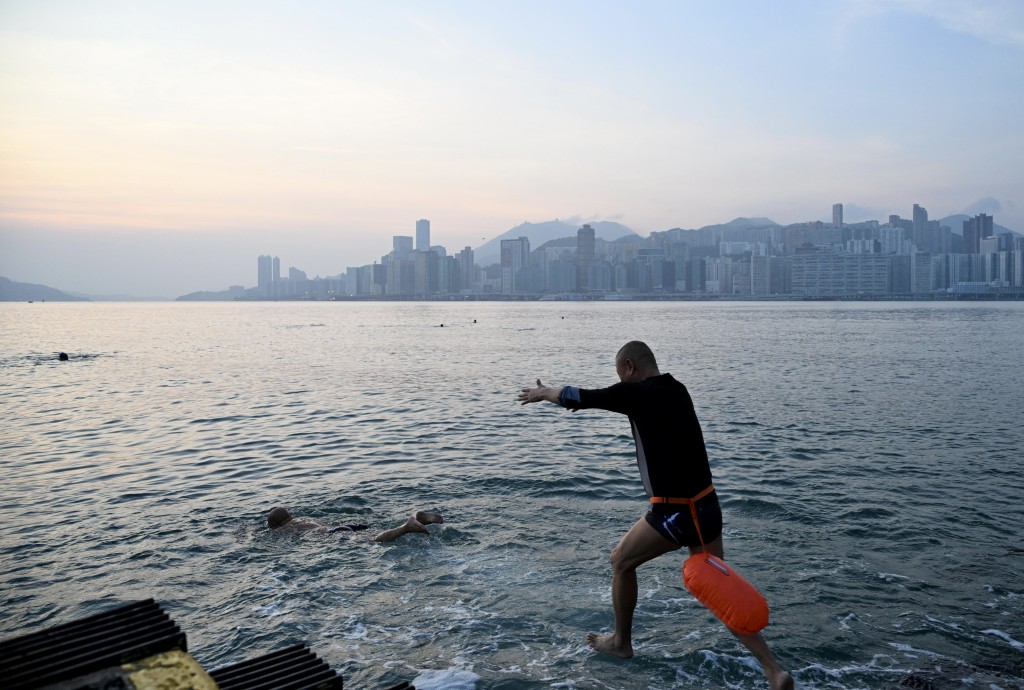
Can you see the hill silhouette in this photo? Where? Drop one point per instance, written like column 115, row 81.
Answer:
column 12, row 291
column 745, row 223
column 540, row 233
column 956, row 224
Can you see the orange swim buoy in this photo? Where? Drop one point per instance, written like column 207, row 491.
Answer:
column 714, row 583
column 725, row 593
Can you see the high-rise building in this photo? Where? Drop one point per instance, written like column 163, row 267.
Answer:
column 401, row 246
column 515, row 256
column 427, row 276
column 584, row 257
column 466, row 268
column 827, row 274
column 423, row 235
column 1018, row 262
column 893, row 241
column 837, row 215
column 401, row 277
column 919, row 232
column 924, row 269
column 265, row 275
column 975, row 230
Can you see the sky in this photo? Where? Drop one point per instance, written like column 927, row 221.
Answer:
column 157, row 148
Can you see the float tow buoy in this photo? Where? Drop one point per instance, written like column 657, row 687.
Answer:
column 718, row 586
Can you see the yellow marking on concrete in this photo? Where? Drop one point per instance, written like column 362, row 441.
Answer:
column 174, row 670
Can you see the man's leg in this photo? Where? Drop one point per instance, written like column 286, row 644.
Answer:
column 414, row 524
column 641, row 543
column 778, row 678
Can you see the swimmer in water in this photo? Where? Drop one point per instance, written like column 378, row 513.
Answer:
column 281, row 520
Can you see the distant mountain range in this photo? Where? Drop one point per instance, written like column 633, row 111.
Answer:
column 956, row 224
column 543, row 233
column 744, row 223
column 539, row 233
column 11, row 291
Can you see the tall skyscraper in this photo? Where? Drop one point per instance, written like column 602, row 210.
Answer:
column 423, row 235
column 265, row 276
column 401, row 246
column 466, row 268
column 919, row 233
column 837, row 215
column 515, row 256
column 975, row 230
column 584, row 257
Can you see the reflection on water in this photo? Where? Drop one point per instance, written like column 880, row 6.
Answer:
column 867, row 456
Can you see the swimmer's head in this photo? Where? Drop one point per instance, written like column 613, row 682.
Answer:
column 278, row 516
column 63, row 356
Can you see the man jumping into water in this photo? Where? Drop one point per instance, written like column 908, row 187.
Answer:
column 280, row 519
column 673, row 462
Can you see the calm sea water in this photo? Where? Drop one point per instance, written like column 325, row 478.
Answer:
column 868, row 456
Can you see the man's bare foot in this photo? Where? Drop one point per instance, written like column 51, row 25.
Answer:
column 606, row 645
column 414, row 525
column 781, row 681
column 428, row 518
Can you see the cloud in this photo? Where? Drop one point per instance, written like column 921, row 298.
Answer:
column 995, row 21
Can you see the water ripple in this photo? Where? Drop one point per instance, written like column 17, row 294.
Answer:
column 870, row 489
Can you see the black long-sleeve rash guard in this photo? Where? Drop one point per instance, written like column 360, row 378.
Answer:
column 670, row 448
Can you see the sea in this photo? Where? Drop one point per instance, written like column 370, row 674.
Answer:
column 869, row 458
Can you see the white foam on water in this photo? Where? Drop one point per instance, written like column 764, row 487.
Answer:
column 271, row 610
column 446, row 679
column 359, row 632
column 889, row 577
column 911, row 651
column 842, row 677
column 1000, row 634
column 951, row 626
column 844, row 622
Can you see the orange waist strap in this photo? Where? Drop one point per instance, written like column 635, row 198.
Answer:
column 683, row 501
column 692, row 502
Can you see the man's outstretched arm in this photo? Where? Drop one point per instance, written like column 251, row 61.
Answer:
column 540, row 393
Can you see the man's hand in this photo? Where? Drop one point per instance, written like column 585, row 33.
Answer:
column 541, row 392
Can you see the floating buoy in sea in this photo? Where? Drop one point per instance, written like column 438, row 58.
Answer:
column 63, row 356
column 722, row 590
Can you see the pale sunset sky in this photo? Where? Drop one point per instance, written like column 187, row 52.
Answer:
column 156, row 148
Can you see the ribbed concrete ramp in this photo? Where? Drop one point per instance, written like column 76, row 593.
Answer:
column 62, row 653
column 291, row 668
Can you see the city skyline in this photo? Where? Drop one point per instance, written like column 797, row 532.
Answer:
column 902, row 257
column 159, row 143
column 409, row 246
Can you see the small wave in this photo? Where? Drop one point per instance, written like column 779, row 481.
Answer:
column 446, row 679
column 1000, row 634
